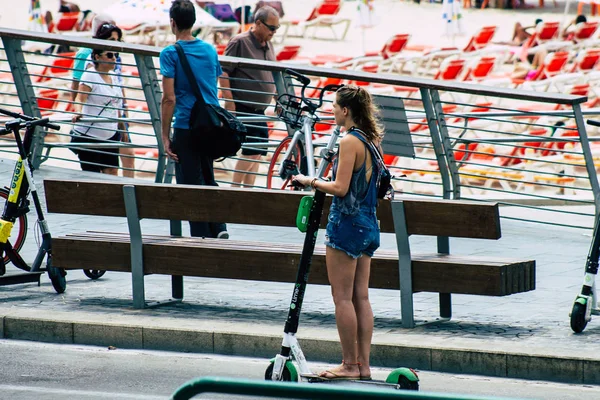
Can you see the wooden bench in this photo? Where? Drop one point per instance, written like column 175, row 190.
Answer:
column 438, row 272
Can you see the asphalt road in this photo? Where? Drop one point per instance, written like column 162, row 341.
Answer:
column 31, row 370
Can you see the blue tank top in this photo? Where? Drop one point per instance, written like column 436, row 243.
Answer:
column 360, row 193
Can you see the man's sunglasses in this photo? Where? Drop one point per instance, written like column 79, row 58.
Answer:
column 111, row 55
column 272, row 28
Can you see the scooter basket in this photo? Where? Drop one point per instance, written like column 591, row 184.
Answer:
column 289, row 109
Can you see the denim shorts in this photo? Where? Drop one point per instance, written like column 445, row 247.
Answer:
column 355, row 235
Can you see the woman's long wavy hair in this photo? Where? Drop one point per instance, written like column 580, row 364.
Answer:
column 362, row 110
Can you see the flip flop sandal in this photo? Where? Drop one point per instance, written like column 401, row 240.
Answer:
column 366, row 378
column 337, row 377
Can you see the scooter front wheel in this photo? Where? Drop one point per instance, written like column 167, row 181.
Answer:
column 290, row 374
column 406, row 378
column 57, row 276
column 578, row 322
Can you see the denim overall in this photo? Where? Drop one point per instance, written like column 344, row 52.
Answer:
column 352, row 224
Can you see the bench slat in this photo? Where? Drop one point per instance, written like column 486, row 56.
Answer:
column 212, row 258
column 275, row 208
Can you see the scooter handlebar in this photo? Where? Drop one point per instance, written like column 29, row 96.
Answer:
column 593, row 122
column 43, row 122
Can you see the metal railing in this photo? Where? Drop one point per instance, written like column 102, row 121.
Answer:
column 527, row 150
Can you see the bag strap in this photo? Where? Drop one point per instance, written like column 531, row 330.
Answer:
column 188, row 72
column 374, row 150
column 90, row 125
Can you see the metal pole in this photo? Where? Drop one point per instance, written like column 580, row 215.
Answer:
column 137, row 255
column 587, row 155
column 283, row 85
column 20, row 73
column 434, row 119
column 153, row 95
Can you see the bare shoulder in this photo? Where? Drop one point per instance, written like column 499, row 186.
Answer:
column 350, row 141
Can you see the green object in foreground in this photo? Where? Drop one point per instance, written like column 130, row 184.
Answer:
column 314, row 391
column 303, row 213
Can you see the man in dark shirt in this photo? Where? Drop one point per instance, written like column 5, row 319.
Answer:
column 255, row 89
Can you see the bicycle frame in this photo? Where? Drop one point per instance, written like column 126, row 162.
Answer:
column 22, row 184
column 305, row 134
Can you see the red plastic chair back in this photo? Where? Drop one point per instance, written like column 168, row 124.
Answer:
column 464, row 152
column 394, row 45
column 481, row 39
column 288, row 53
column 556, row 64
column 220, row 48
column 588, row 61
column 47, row 100
column 548, row 31
column 60, row 66
column 483, row 68
column 67, row 21
column 586, row 31
column 451, row 71
column 327, row 7
column 580, row 90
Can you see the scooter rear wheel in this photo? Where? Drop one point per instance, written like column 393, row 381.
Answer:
column 57, row 276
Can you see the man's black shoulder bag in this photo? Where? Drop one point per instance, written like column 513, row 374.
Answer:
column 217, row 133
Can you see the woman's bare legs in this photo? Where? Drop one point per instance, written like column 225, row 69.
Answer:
column 364, row 313
column 341, row 269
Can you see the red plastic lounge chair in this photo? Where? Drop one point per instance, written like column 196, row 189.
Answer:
column 324, row 15
column 61, row 66
column 288, row 53
column 66, row 22
column 481, row 39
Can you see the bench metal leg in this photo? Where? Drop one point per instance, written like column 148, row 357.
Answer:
column 137, row 257
column 404, row 265
column 445, row 305
column 443, row 244
column 176, row 281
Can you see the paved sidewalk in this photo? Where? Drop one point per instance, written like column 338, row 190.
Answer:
column 525, row 335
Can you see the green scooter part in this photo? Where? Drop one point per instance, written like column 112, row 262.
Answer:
column 303, row 213
column 405, row 377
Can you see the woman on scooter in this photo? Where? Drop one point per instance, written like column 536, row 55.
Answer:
column 352, row 234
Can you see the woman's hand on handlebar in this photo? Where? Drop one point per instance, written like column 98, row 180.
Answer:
column 75, row 118
column 302, row 180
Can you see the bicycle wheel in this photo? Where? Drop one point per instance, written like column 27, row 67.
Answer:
column 274, row 181
column 19, row 230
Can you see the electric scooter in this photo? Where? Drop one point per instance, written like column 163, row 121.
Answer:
column 282, row 367
column 586, row 302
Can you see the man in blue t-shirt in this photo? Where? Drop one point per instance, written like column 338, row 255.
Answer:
column 178, row 100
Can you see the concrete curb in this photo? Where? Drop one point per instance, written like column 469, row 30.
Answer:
column 461, row 361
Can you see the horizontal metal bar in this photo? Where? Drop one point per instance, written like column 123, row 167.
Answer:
column 242, row 63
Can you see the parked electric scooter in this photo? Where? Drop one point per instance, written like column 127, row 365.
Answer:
column 586, row 302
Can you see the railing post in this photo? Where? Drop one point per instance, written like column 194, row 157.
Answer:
column 18, row 68
column 446, row 145
column 587, row 155
column 435, row 119
column 283, row 85
column 153, row 95
column 436, row 140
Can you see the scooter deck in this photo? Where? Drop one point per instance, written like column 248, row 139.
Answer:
column 349, row 382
